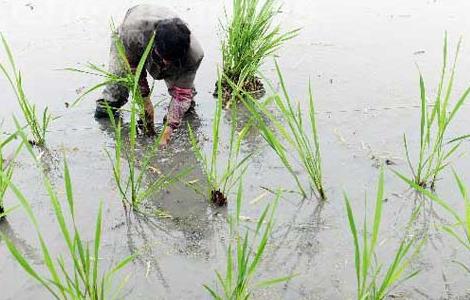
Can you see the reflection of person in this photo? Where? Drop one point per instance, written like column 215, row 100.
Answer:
column 175, row 57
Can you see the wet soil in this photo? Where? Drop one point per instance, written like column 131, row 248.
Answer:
column 218, row 198
column 254, row 87
column 361, row 59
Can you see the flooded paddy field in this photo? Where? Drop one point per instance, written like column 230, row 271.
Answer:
column 360, row 57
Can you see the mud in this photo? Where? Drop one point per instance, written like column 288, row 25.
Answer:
column 254, row 87
column 218, row 198
column 361, row 59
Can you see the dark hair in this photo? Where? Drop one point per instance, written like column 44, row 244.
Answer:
column 172, row 39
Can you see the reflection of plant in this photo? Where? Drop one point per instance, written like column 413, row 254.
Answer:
column 434, row 152
column 132, row 188
column 220, row 184
column 290, row 133
column 244, row 255
column 460, row 230
column 370, row 282
column 250, row 37
column 7, row 169
column 38, row 126
column 83, row 279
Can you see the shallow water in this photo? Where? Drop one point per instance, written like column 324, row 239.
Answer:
column 360, row 57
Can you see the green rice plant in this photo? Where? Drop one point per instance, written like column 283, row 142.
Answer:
column 130, row 79
column 371, row 282
column 75, row 274
column 460, row 228
column 244, row 255
column 221, row 183
column 290, row 132
column 37, row 125
column 435, row 152
column 132, row 188
column 249, row 37
column 7, row 167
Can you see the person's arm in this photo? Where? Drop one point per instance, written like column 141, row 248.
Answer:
column 144, row 89
column 143, row 83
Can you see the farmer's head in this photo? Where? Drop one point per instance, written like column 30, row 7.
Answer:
column 172, row 40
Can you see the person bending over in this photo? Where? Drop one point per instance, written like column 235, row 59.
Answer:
column 175, row 57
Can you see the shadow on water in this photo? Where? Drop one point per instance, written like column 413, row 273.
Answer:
column 252, row 139
column 301, row 235
column 29, row 251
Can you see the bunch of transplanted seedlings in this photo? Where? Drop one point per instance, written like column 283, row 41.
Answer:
column 75, row 274
column 133, row 188
column 221, row 176
column 244, row 255
column 37, row 125
column 249, row 38
column 436, row 149
column 372, row 282
column 289, row 132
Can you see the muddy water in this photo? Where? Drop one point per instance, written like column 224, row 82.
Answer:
column 360, row 57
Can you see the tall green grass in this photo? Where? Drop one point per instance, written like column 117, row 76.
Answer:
column 435, row 148
column 222, row 175
column 290, row 132
column 133, row 188
column 75, row 274
column 250, row 36
column 372, row 282
column 37, row 124
column 244, row 255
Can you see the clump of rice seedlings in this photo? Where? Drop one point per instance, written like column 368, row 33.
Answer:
column 291, row 131
column 133, row 187
column 244, row 255
column 75, row 274
column 221, row 183
column 435, row 152
column 37, row 124
column 372, row 282
column 460, row 228
column 249, row 37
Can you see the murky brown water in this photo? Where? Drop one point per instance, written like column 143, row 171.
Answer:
column 360, row 57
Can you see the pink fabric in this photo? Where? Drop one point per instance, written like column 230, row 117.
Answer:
column 180, row 103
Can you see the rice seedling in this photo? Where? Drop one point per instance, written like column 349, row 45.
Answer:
column 7, row 167
column 129, row 79
column 221, row 183
column 75, row 274
column 133, row 187
column 371, row 282
column 435, row 152
column 244, row 255
column 249, row 37
column 290, row 132
column 460, row 227
column 37, row 125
